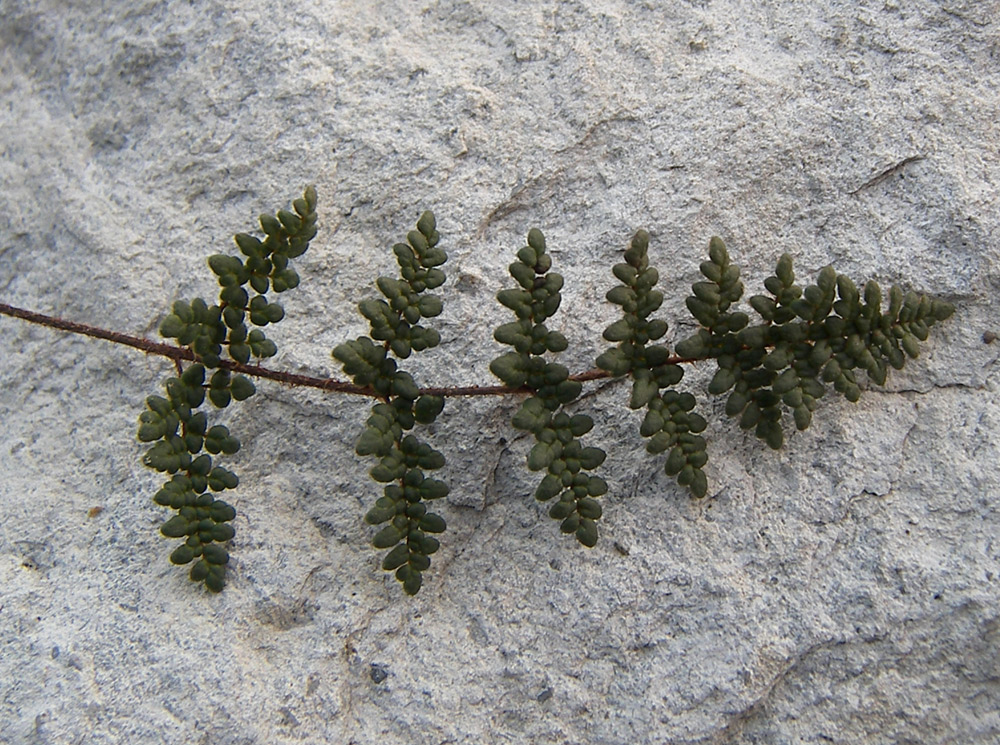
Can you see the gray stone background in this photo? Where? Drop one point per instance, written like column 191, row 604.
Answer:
column 842, row 590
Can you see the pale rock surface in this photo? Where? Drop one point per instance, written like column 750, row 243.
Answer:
column 842, row 590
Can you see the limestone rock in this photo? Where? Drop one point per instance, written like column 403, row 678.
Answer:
column 841, row 590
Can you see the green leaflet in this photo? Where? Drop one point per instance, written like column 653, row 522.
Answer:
column 396, row 330
column 177, row 430
column 557, row 451
column 669, row 416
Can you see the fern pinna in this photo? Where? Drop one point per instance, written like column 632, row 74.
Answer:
column 557, row 449
column 403, row 458
column 177, row 427
column 670, row 422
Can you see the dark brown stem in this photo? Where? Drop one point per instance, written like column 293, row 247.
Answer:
column 327, row 384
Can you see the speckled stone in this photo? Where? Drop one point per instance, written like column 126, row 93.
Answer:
column 842, row 590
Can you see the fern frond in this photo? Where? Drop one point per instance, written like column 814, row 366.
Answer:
column 808, row 338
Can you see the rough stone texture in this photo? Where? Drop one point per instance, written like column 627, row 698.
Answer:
column 843, row 590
